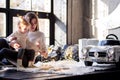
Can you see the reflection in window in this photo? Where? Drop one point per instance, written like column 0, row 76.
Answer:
column 43, row 27
column 2, row 3
column 33, row 5
column 2, row 25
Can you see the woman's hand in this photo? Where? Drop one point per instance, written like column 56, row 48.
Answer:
column 44, row 54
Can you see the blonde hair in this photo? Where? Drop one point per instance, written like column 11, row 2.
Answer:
column 23, row 21
column 31, row 15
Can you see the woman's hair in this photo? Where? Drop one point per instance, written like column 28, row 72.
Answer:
column 23, row 21
column 31, row 15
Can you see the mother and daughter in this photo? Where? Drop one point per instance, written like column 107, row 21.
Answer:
column 24, row 45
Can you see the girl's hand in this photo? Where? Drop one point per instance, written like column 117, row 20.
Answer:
column 12, row 38
column 15, row 45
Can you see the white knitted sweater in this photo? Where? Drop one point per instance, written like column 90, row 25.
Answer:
column 21, row 38
column 33, row 38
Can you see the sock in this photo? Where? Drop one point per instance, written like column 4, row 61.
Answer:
column 19, row 63
column 30, row 63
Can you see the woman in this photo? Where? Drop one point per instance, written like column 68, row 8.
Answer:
column 36, row 39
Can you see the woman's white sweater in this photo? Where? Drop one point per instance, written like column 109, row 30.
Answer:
column 36, row 37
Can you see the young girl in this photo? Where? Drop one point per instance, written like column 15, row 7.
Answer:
column 18, row 38
column 17, row 41
column 36, row 39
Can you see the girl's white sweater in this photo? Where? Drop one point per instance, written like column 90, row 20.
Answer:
column 21, row 38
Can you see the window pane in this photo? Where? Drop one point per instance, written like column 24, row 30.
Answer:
column 41, row 5
column 60, row 7
column 34, row 5
column 20, row 4
column 60, row 11
column 2, row 25
column 44, row 27
column 15, row 23
column 2, row 3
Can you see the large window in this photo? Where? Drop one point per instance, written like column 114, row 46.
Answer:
column 10, row 9
column 51, row 14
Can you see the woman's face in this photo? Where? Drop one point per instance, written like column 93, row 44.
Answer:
column 33, row 24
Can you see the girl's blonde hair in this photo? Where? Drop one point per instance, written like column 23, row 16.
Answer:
column 23, row 21
column 31, row 15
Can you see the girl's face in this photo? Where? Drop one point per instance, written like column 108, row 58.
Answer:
column 33, row 25
column 23, row 28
